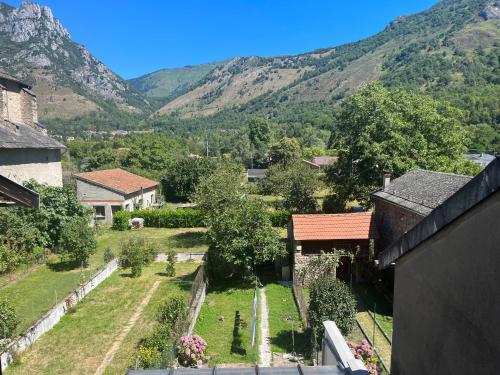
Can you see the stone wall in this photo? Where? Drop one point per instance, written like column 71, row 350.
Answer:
column 43, row 165
column 392, row 222
column 28, row 108
column 50, row 319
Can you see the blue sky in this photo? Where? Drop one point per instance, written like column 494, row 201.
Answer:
column 134, row 37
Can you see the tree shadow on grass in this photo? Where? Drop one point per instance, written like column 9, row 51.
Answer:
column 127, row 274
column 237, row 343
column 283, row 340
column 63, row 266
column 187, row 240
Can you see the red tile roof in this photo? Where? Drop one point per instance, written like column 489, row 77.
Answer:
column 118, row 180
column 352, row 226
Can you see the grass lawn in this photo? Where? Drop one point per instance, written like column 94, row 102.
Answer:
column 178, row 239
column 225, row 323
column 282, row 313
column 80, row 341
column 368, row 300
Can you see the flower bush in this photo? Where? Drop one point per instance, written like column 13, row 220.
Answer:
column 191, row 350
column 365, row 353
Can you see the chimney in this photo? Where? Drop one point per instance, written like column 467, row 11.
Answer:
column 387, row 180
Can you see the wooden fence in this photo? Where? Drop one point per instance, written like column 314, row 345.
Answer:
column 301, row 303
column 198, row 294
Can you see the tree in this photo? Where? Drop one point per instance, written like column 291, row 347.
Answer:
column 77, row 241
column 379, row 130
column 260, row 137
column 331, row 299
column 285, row 152
column 240, row 238
column 296, row 183
column 219, row 190
column 8, row 319
column 136, row 253
column 183, row 175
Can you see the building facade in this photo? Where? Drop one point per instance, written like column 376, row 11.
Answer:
column 447, row 290
column 26, row 152
column 112, row 190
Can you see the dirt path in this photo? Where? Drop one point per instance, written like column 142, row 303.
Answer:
column 130, row 324
column 264, row 349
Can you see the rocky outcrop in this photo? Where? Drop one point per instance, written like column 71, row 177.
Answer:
column 39, row 48
column 491, row 11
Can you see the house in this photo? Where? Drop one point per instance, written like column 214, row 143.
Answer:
column 114, row 190
column 309, row 235
column 402, row 203
column 480, row 159
column 13, row 194
column 254, row 175
column 322, row 162
column 311, row 165
column 447, row 284
column 26, row 152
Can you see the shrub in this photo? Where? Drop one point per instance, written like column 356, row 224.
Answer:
column 108, row 255
column 331, row 299
column 136, row 253
column 77, row 241
column 160, row 339
column 8, row 319
column 170, row 268
column 173, row 313
column 148, row 357
column 9, row 259
column 191, row 350
column 279, row 218
column 120, row 220
column 365, row 353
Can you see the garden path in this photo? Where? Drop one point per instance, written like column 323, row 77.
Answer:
column 130, row 324
column 264, row 348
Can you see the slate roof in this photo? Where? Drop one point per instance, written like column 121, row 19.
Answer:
column 118, row 180
column 20, row 136
column 257, row 173
column 351, row 226
column 422, row 191
column 7, row 76
column 469, row 195
column 324, row 161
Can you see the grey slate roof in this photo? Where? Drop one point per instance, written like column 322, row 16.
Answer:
column 422, row 191
column 7, row 76
column 257, row 173
column 475, row 191
column 16, row 136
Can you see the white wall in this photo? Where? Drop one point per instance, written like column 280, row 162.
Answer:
column 42, row 165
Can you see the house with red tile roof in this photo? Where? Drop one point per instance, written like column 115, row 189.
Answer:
column 309, row 235
column 112, row 190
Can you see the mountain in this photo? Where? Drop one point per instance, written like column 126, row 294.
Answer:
column 171, row 82
column 68, row 80
column 451, row 51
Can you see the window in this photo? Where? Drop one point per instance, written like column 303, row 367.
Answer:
column 116, row 209
column 100, row 211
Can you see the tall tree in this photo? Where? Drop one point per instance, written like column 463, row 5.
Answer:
column 285, row 152
column 260, row 137
column 394, row 130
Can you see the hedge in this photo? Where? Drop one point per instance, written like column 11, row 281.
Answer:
column 180, row 218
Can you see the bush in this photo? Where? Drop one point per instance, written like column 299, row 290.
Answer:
column 9, row 259
column 173, row 313
column 279, row 218
column 8, row 319
column 148, row 357
column 77, row 241
column 191, row 350
column 365, row 353
column 108, row 255
column 331, row 299
column 136, row 253
column 170, row 268
column 120, row 220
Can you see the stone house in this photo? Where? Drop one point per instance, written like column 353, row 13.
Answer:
column 114, row 190
column 446, row 288
column 311, row 234
column 402, row 203
column 255, row 175
column 26, row 152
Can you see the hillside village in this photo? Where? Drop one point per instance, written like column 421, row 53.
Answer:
column 248, row 222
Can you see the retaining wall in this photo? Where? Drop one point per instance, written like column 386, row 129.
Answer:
column 51, row 318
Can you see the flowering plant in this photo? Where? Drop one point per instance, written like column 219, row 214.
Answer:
column 365, row 353
column 191, row 350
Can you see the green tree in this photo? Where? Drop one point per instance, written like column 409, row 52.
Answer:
column 485, row 138
column 219, row 190
column 381, row 130
column 182, row 176
column 331, row 299
column 8, row 319
column 240, row 238
column 260, row 138
column 296, row 183
column 77, row 241
column 284, row 152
